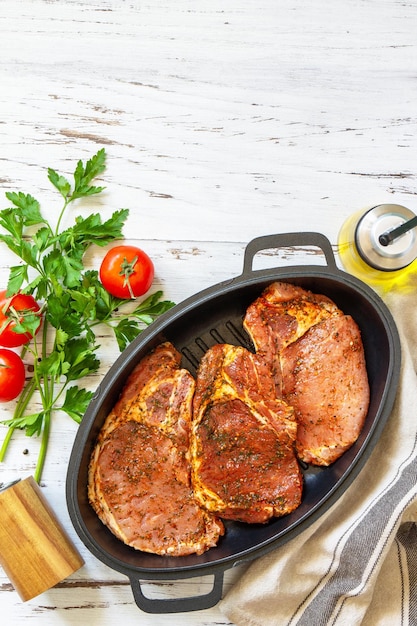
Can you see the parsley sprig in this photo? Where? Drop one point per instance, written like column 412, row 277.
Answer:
column 72, row 299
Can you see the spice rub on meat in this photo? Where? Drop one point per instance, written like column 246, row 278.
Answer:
column 317, row 357
column 324, row 378
column 282, row 314
column 242, row 447
column 139, row 475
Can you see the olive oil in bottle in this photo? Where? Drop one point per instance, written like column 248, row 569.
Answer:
column 379, row 246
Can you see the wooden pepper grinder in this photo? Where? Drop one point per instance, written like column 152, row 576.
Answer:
column 35, row 551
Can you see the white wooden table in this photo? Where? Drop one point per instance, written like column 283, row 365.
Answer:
column 222, row 121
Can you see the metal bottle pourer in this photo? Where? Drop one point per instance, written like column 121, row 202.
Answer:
column 385, row 237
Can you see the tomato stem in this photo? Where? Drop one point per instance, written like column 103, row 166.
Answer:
column 128, row 268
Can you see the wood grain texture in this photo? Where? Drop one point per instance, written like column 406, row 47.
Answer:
column 35, row 550
column 222, row 122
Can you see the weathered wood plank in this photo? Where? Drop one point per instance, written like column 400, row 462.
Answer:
column 222, row 122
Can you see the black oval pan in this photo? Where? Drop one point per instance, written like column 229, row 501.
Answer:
column 212, row 316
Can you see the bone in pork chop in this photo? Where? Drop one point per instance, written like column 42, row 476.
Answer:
column 243, row 462
column 317, row 357
column 139, row 476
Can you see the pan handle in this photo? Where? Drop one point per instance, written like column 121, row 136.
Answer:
column 283, row 240
column 178, row 605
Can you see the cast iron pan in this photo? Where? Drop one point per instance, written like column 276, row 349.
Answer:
column 212, row 316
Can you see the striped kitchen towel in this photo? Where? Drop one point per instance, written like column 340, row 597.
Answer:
column 357, row 564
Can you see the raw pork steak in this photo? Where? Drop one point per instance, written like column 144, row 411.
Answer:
column 243, row 462
column 139, row 475
column 317, row 357
column 324, row 378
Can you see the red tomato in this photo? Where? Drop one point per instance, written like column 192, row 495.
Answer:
column 126, row 272
column 20, row 303
column 12, row 375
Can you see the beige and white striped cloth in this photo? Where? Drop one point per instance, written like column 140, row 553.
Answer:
column 357, row 564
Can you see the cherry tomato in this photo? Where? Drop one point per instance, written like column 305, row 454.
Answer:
column 126, row 272
column 12, row 375
column 20, row 303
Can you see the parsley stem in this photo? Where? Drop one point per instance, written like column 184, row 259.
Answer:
column 20, row 408
column 61, row 215
column 44, row 446
column 6, row 442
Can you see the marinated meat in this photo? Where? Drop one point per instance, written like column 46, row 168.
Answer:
column 139, row 475
column 325, row 380
column 282, row 314
column 175, row 455
column 317, row 358
column 242, row 447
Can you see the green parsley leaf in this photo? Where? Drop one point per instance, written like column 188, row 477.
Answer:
column 53, row 366
column 43, row 238
column 60, row 316
column 152, row 307
column 76, row 402
column 83, row 175
column 125, row 331
column 18, row 275
column 65, row 267
column 31, row 423
column 80, row 355
column 60, row 182
column 105, row 305
column 93, row 230
column 11, row 221
column 143, row 315
column 28, row 323
column 29, row 213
